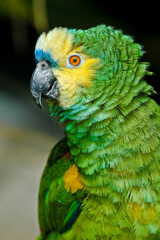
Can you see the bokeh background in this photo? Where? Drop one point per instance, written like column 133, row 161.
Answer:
column 26, row 133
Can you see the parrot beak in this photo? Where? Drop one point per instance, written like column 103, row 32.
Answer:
column 43, row 83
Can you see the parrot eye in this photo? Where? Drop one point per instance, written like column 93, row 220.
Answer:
column 74, row 60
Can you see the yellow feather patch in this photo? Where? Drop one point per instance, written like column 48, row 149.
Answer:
column 71, row 179
column 146, row 215
column 135, row 210
column 59, row 43
column 70, row 80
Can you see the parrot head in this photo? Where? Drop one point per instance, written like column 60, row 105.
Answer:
column 81, row 66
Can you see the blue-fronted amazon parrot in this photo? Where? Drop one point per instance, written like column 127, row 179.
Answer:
column 103, row 180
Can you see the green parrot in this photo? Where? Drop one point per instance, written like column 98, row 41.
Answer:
column 102, row 181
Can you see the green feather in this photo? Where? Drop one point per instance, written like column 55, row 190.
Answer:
column 113, row 136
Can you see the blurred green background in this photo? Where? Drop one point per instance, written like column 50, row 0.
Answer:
column 26, row 133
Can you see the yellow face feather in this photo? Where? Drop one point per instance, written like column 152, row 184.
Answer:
column 59, row 43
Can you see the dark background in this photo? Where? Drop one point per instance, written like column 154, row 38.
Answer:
column 26, row 132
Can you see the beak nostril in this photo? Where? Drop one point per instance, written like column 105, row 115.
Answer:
column 44, row 65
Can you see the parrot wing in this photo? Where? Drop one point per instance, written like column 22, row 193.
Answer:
column 58, row 208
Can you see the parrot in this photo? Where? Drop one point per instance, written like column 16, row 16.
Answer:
column 102, row 180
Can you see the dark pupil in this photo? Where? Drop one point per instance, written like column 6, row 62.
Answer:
column 74, row 60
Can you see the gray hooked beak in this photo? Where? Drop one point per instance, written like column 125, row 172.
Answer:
column 43, row 83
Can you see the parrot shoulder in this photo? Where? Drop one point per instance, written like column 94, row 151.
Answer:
column 61, row 192
column 59, row 150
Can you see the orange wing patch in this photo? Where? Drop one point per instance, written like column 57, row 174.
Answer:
column 71, row 179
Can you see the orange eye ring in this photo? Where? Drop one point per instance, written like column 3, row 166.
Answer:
column 74, row 60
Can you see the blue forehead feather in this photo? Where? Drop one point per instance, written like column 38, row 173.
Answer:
column 42, row 55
